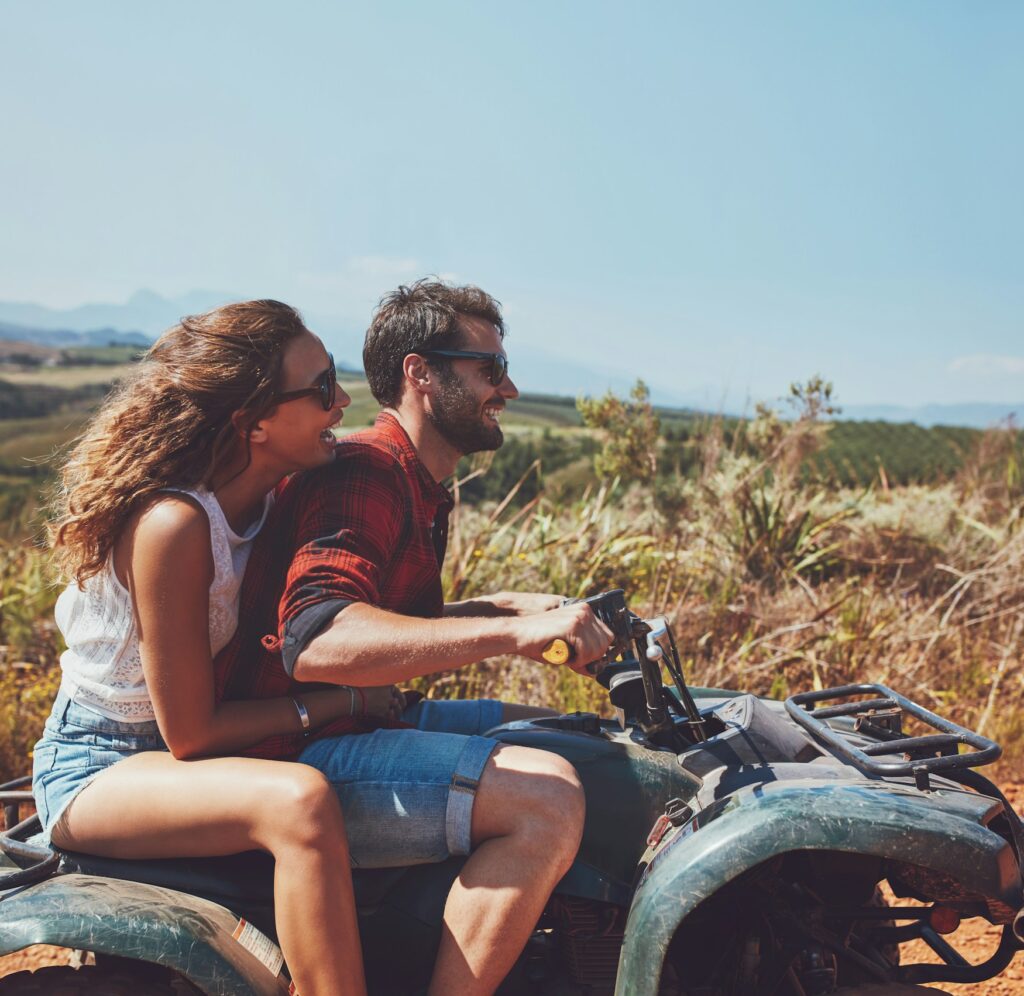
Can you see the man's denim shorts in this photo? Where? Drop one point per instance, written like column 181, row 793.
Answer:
column 407, row 795
column 77, row 744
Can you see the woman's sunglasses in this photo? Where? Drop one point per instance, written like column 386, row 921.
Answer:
column 499, row 361
column 326, row 388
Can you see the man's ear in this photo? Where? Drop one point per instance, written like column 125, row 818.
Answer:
column 417, row 374
column 255, row 432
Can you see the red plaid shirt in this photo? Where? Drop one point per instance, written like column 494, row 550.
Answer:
column 370, row 527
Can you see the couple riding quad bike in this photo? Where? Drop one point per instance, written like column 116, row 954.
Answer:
column 733, row 845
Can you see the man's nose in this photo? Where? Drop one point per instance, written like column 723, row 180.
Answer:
column 342, row 399
column 508, row 388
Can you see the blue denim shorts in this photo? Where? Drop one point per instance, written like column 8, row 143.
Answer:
column 407, row 795
column 470, row 717
column 77, row 745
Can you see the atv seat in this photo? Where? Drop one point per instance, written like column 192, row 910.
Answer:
column 236, row 878
column 408, row 900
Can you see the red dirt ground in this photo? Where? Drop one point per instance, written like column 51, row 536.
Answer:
column 976, row 940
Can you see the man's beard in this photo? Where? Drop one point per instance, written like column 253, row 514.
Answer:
column 458, row 417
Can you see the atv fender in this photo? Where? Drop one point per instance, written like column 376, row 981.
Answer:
column 941, row 831
column 145, row 923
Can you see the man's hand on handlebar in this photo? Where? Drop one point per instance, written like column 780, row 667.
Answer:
column 504, row 603
column 526, row 603
column 588, row 638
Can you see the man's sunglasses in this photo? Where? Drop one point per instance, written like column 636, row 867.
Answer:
column 326, row 388
column 499, row 361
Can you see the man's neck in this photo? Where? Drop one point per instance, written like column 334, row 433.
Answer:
column 434, row 451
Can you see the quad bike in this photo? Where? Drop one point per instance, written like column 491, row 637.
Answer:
column 733, row 845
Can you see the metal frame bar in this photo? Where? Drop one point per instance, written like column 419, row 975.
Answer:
column 42, row 861
column 934, row 753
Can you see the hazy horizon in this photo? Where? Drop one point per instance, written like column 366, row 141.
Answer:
column 535, row 370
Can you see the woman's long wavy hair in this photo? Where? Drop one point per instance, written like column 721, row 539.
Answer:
column 169, row 424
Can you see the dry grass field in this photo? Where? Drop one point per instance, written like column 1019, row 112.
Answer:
column 775, row 578
column 69, row 376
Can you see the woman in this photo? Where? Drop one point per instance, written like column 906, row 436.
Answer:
column 159, row 502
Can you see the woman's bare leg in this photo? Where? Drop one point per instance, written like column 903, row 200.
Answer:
column 153, row 806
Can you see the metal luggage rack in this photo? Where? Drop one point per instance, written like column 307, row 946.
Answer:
column 880, row 718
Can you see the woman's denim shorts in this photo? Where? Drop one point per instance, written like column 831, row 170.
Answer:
column 77, row 745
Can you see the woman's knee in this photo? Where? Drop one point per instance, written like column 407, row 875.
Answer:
column 303, row 808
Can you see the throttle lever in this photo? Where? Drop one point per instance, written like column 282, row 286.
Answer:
column 557, row 652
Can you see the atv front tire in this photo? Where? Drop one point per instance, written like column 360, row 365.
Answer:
column 94, row 980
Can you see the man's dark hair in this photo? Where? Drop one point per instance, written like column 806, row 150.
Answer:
column 417, row 318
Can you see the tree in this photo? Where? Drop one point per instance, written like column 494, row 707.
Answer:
column 629, row 430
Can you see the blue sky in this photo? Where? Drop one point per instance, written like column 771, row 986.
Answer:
column 720, row 197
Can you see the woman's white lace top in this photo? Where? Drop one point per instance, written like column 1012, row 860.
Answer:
column 101, row 667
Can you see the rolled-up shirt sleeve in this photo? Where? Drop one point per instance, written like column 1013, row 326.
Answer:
column 350, row 525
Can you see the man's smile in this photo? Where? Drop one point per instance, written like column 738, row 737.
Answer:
column 327, row 436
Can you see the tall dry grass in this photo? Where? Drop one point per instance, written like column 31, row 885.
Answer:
column 774, row 580
column 29, row 649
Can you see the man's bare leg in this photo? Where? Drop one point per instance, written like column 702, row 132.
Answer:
column 527, row 825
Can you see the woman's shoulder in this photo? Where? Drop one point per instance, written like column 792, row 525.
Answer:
column 170, row 516
column 168, row 535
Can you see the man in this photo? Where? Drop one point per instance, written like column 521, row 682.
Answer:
column 362, row 606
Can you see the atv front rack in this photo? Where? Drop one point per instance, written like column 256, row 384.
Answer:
column 880, row 718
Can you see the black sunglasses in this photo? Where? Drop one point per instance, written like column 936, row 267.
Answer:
column 326, row 388
column 499, row 361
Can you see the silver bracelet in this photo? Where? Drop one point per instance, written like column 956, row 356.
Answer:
column 351, row 699
column 303, row 716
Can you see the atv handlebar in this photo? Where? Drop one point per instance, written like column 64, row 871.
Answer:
column 633, row 663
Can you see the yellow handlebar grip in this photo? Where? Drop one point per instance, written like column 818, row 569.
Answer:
column 557, row 652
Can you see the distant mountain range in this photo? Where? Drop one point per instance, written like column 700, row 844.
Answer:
column 58, row 338
column 976, row 415
column 146, row 314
